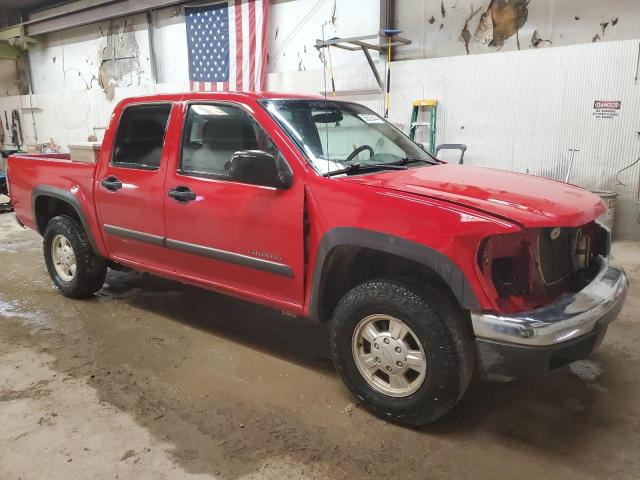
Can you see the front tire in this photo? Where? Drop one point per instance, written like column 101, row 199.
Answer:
column 72, row 265
column 403, row 349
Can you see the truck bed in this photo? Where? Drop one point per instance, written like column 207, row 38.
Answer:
column 26, row 172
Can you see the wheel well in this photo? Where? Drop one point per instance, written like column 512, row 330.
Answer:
column 47, row 207
column 347, row 266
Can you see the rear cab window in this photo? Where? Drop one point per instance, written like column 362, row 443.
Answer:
column 140, row 136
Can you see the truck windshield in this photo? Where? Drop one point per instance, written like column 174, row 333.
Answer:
column 336, row 136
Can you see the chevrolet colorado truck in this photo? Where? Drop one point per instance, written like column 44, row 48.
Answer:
column 321, row 209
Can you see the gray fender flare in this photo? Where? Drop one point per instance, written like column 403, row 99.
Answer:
column 67, row 197
column 441, row 264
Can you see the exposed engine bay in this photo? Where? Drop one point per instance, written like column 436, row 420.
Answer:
column 532, row 268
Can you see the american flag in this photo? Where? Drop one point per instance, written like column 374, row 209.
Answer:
column 227, row 44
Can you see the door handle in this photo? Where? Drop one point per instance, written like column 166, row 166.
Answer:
column 182, row 194
column 111, row 183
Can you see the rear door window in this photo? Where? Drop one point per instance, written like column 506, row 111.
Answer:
column 140, row 136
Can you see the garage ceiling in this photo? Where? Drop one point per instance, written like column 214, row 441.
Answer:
column 27, row 6
column 12, row 12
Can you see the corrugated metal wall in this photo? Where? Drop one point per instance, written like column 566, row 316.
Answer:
column 523, row 111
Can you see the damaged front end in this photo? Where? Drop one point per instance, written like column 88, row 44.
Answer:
column 555, row 295
column 527, row 270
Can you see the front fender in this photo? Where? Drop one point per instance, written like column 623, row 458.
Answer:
column 450, row 273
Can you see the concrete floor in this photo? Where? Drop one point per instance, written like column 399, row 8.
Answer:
column 153, row 379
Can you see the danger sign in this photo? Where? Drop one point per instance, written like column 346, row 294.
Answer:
column 606, row 109
column 607, row 104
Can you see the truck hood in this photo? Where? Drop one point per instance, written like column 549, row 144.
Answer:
column 531, row 201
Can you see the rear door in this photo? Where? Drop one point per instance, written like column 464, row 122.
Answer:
column 130, row 187
column 246, row 239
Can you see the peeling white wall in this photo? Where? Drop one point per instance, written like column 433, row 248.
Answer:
column 294, row 27
column 557, row 23
column 65, row 117
column 70, row 60
column 9, row 78
column 68, row 104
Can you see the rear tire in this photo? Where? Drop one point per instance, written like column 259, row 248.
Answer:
column 413, row 327
column 72, row 265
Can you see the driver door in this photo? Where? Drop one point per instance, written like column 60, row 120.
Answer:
column 241, row 238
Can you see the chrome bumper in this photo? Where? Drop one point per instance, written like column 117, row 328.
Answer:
column 569, row 318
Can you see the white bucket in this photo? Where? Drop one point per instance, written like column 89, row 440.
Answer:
column 609, row 199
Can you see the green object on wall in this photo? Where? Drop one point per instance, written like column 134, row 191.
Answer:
column 430, row 106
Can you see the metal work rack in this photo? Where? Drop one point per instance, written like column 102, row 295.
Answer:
column 362, row 43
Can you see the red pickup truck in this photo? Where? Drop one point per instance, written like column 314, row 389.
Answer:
column 322, row 209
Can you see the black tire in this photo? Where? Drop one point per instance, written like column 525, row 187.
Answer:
column 91, row 269
column 442, row 331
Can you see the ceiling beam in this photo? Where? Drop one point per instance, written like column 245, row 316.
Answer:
column 13, row 40
column 65, row 9
column 85, row 12
column 11, row 32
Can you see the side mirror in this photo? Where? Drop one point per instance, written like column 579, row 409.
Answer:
column 257, row 167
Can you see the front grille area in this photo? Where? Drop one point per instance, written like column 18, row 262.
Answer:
column 535, row 267
column 564, row 254
column 555, row 253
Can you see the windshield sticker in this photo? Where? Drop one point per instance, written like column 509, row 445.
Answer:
column 369, row 118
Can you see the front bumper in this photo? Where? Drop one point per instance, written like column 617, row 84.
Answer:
column 531, row 343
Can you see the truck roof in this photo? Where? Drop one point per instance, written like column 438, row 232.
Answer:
column 180, row 96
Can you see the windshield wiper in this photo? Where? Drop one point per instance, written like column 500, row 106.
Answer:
column 357, row 167
column 408, row 160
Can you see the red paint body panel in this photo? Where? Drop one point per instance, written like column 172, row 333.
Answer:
column 450, row 209
column 29, row 171
column 139, row 205
column 530, row 201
